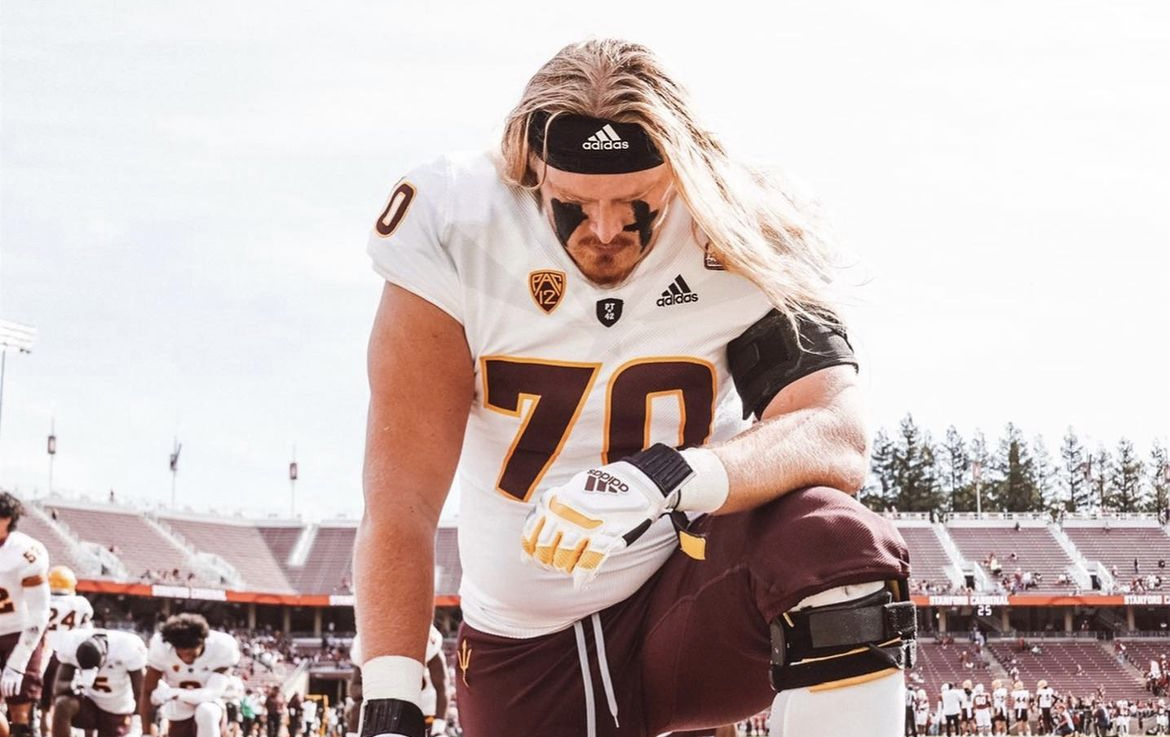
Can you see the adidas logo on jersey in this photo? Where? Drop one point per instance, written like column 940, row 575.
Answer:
column 605, row 139
column 679, row 292
column 602, row 481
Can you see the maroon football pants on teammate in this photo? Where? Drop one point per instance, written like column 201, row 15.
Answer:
column 691, row 648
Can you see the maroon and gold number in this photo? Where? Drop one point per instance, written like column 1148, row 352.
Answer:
column 395, row 210
column 102, row 684
column 557, row 392
column 53, row 614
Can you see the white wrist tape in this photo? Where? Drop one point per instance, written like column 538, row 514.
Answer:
column 707, row 491
column 392, row 677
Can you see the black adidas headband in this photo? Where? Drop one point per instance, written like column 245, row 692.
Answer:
column 585, row 145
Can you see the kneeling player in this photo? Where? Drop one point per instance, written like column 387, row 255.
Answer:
column 104, row 697
column 188, row 669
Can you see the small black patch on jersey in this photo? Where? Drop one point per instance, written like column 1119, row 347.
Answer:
column 770, row 355
column 609, row 311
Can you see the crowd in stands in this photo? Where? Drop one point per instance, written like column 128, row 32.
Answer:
column 163, row 576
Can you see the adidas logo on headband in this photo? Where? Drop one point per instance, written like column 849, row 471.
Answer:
column 605, row 139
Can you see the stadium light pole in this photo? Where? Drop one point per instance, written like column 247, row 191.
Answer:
column 293, row 473
column 178, row 447
column 52, row 447
column 17, row 337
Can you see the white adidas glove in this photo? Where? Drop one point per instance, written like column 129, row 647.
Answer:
column 162, row 694
column 10, row 682
column 576, row 526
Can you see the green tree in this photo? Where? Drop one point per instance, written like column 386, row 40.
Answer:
column 981, row 472
column 1158, row 500
column 1015, row 489
column 915, row 475
column 1045, row 474
column 1074, row 473
column 955, row 465
column 879, row 490
column 1099, row 476
column 1125, row 492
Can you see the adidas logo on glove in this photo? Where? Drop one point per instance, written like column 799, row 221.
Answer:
column 603, row 481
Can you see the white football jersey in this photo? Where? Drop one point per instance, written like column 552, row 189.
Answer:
column 21, row 557
column 568, row 374
column 1020, row 699
column 1045, row 697
column 67, row 612
column 220, row 653
column 999, row 698
column 109, row 686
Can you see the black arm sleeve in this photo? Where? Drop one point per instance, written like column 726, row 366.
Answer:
column 769, row 356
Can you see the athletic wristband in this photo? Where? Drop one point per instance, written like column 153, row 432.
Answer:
column 392, row 677
column 708, row 489
column 439, row 726
column 392, row 718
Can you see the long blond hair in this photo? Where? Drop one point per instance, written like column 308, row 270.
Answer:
column 756, row 226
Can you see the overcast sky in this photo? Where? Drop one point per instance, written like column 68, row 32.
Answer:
column 186, row 191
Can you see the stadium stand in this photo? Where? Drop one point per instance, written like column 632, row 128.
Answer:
column 328, row 567
column 449, row 570
column 928, row 557
column 280, row 539
column 62, row 550
column 1118, row 545
column 239, row 543
column 940, row 663
column 1035, row 548
column 1057, row 663
column 127, row 535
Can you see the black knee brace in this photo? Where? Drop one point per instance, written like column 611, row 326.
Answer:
column 832, row 643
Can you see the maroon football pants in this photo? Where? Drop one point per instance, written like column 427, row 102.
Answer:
column 690, row 649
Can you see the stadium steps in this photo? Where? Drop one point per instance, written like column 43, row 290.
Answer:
column 64, row 547
column 304, row 545
column 208, row 566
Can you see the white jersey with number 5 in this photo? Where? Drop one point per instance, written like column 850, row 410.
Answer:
column 67, row 612
column 568, row 374
column 21, row 558
column 109, row 686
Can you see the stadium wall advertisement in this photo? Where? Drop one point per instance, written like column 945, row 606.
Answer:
column 90, row 586
column 346, row 600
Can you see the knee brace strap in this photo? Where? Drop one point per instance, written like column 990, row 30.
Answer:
column 831, row 643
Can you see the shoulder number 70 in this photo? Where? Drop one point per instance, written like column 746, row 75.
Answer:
column 556, row 393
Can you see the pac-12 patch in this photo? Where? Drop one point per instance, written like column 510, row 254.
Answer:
column 609, row 311
column 547, row 287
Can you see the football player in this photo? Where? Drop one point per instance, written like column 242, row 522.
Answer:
column 999, row 707
column 98, row 681
column 1021, row 702
column 189, row 668
column 434, row 697
column 68, row 611
column 624, row 342
column 981, row 702
column 24, row 615
column 1045, row 699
